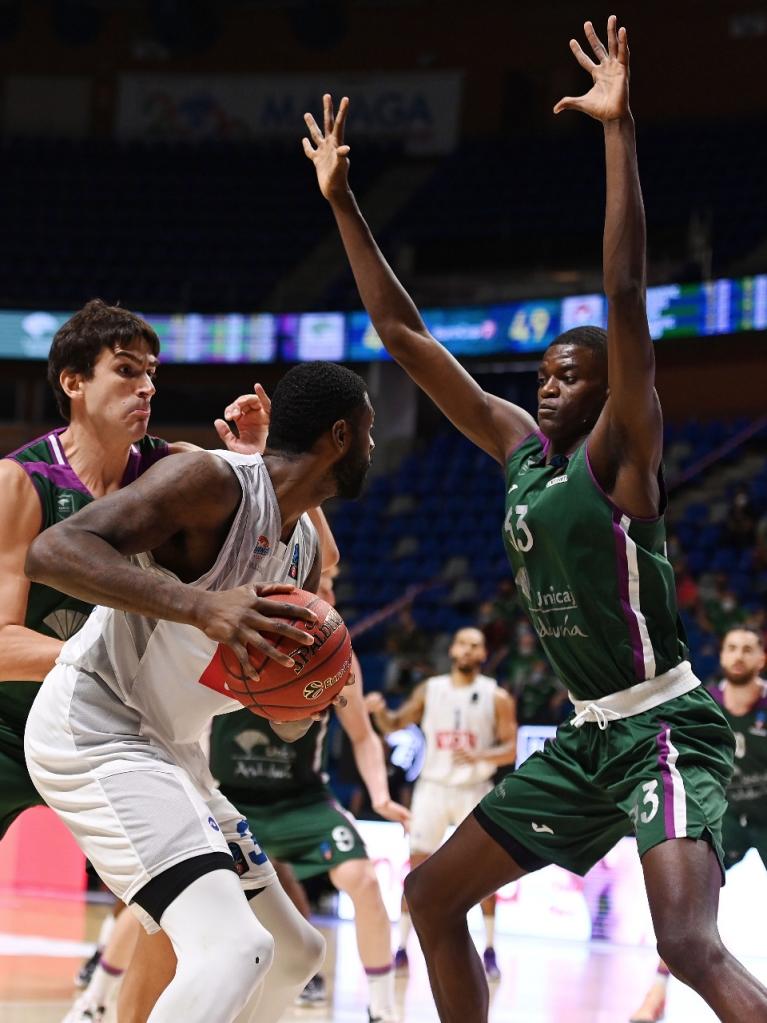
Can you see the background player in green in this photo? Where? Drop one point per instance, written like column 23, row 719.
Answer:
column 742, row 695
column 648, row 749
column 282, row 789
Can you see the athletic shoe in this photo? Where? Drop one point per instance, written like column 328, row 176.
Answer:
column 491, row 966
column 393, row 1018
column 314, row 993
column 86, row 971
column 654, row 1015
column 83, row 1011
column 400, row 960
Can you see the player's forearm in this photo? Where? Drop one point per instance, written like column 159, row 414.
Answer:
column 624, row 240
column 502, row 754
column 389, row 306
column 369, row 758
column 25, row 655
column 87, row 567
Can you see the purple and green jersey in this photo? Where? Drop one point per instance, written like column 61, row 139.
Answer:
column 595, row 582
column 49, row 612
column 747, row 792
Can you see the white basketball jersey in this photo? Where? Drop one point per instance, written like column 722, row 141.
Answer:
column 153, row 666
column 458, row 717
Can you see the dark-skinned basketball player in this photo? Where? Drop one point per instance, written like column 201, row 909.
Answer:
column 648, row 750
column 112, row 741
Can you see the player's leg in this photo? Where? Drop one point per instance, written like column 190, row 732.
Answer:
column 735, row 842
column 102, row 989
column 86, row 971
column 430, row 817
column 546, row 812
column 151, row 970
column 357, row 877
column 683, row 877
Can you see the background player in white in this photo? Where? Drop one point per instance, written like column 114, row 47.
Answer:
column 113, row 739
column 470, row 728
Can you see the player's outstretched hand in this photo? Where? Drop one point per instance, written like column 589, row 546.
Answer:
column 327, row 149
column 237, row 618
column 374, row 703
column 392, row 811
column 608, row 98
column 251, row 414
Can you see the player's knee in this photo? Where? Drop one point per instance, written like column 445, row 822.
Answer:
column 362, row 883
column 691, row 953
column 420, row 900
column 242, row 960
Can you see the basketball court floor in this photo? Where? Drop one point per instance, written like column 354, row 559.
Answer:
column 44, row 940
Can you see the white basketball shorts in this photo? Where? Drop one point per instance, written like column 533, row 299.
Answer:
column 133, row 811
column 435, row 807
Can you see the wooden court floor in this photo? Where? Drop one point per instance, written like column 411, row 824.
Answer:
column 43, row 941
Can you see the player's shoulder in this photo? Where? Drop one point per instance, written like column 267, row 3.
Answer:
column 38, row 450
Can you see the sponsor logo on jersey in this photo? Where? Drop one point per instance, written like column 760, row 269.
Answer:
column 513, row 486
column 65, row 506
column 528, row 463
column 456, row 740
column 759, row 726
column 213, row 823
column 522, row 579
column 293, row 570
column 248, row 740
column 557, row 479
column 262, row 547
column 65, row 622
column 542, row 829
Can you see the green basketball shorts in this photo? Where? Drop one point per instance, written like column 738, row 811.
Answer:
column 659, row 775
column 313, row 834
column 17, row 793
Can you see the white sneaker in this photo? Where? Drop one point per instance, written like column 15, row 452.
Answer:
column 84, row 1011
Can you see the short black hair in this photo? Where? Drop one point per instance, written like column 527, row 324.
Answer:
column 756, row 633
column 308, row 400
column 594, row 338
column 78, row 342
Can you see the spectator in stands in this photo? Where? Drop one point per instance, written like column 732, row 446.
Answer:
column 720, row 611
column 541, row 697
column 740, row 528
column 687, row 594
column 409, row 648
column 761, row 542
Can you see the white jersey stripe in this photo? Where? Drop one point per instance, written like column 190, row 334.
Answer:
column 56, row 448
column 679, row 795
column 648, row 654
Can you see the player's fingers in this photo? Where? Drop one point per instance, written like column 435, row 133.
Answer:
column 612, row 35
column 264, row 398
column 309, row 149
column 595, row 42
column 585, row 62
column 257, row 641
column 567, row 103
column 327, row 113
column 240, row 651
column 343, row 150
column 223, row 431
column 314, row 129
column 278, row 609
column 279, row 628
column 338, row 127
column 623, row 46
column 266, row 589
column 340, row 701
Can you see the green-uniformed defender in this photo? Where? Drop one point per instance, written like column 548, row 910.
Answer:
column 282, row 789
column 742, row 695
column 648, row 750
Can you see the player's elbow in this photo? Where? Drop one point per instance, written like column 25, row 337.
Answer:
column 625, row 291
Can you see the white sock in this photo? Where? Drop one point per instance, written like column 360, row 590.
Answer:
column 104, row 983
column 405, row 925
column 381, row 992
column 489, row 930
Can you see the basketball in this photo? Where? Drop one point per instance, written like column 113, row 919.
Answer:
column 288, row 694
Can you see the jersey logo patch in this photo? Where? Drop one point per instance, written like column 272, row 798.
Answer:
column 247, row 741
column 65, row 622
column 65, row 506
column 293, row 570
column 522, row 579
column 557, row 479
column 542, row 828
column 262, row 546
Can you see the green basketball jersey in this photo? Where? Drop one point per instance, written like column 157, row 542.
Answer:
column 595, row 582
column 252, row 763
column 61, row 494
column 747, row 792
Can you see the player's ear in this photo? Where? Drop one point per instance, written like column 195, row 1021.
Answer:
column 341, row 432
column 71, row 383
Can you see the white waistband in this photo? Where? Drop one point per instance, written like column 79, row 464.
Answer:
column 637, row 699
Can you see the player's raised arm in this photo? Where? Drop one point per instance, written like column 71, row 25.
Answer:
column 409, row 713
column 185, row 503
column 630, row 430
column 490, row 422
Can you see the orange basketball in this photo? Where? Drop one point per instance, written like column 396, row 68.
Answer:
column 287, row 694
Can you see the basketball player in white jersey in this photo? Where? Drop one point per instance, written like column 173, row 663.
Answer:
column 470, row 727
column 112, row 741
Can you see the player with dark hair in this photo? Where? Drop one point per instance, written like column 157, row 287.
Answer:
column 742, row 695
column 648, row 750
column 113, row 740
